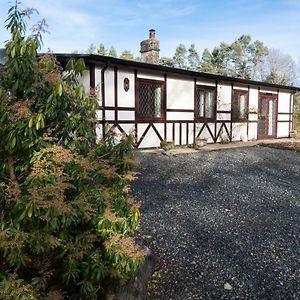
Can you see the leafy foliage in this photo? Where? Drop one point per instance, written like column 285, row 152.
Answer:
column 66, row 220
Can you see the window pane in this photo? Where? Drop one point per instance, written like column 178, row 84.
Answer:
column 271, row 125
column 150, row 100
column 210, row 104
column 143, row 98
column 235, row 112
column 201, row 104
column 243, row 105
column 156, row 100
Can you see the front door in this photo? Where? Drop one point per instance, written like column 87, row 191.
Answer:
column 267, row 116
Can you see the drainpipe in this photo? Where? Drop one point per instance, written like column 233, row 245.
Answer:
column 103, row 95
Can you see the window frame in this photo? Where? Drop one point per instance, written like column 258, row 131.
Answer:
column 205, row 88
column 239, row 92
column 138, row 117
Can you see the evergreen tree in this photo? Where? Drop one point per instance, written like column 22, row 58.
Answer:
column 112, row 52
column 91, row 49
column 126, row 54
column 101, row 50
column 206, row 63
column 193, row 58
column 180, row 59
column 166, row 61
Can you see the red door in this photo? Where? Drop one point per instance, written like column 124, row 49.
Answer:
column 267, row 116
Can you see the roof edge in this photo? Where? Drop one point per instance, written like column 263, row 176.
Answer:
column 92, row 58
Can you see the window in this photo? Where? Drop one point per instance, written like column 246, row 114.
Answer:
column 240, row 105
column 205, row 103
column 150, row 100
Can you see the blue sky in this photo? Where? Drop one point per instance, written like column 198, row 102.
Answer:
column 75, row 24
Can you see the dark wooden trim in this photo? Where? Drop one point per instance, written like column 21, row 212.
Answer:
column 143, row 135
column 137, row 102
column 92, row 78
column 196, row 113
column 116, row 91
column 131, row 65
column 252, row 121
column 223, row 111
column 239, row 92
column 268, row 97
column 157, row 133
column 119, row 108
column 173, row 133
column 281, row 113
column 180, row 110
column 180, row 133
column 187, row 133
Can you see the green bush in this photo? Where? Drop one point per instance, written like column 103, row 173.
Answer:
column 66, row 220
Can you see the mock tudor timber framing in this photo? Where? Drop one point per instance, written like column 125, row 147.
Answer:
column 186, row 127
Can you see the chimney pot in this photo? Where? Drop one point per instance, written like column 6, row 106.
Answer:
column 152, row 34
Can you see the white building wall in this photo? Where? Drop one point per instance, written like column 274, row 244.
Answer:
column 85, row 80
column 145, row 75
column 126, row 99
column 109, row 87
column 180, row 94
column 224, row 97
column 283, row 102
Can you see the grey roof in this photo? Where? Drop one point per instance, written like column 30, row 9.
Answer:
column 92, row 58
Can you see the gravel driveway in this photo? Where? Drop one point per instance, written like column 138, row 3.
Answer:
column 223, row 224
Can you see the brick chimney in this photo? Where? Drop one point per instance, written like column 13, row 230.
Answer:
column 150, row 49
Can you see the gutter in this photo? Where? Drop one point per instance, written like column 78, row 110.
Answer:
column 103, row 95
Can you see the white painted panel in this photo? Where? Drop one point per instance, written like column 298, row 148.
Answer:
column 180, row 93
column 223, row 136
column 98, row 84
column 126, row 115
column 205, row 133
column 85, row 81
column 224, row 97
column 253, row 117
column 206, row 82
column 283, row 102
column 283, row 129
column 252, row 131
column 99, row 114
column 109, row 115
column 126, row 99
column 109, row 87
column 253, row 100
column 268, row 90
column 239, row 131
column 150, row 76
column 128, row 128
column 177, row 116
column 151, row 140
column 283, row 117
column 223, row 116
column 177, row 134
column 240, row 87
column 183, row 134
column 99, row 132
column 160, row 127
column 169, row 132
column 140, row 129
column 191, row 133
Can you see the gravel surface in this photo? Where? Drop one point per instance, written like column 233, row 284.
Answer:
column 223, row 224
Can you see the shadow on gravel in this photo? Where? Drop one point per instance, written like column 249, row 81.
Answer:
column 223, row 225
